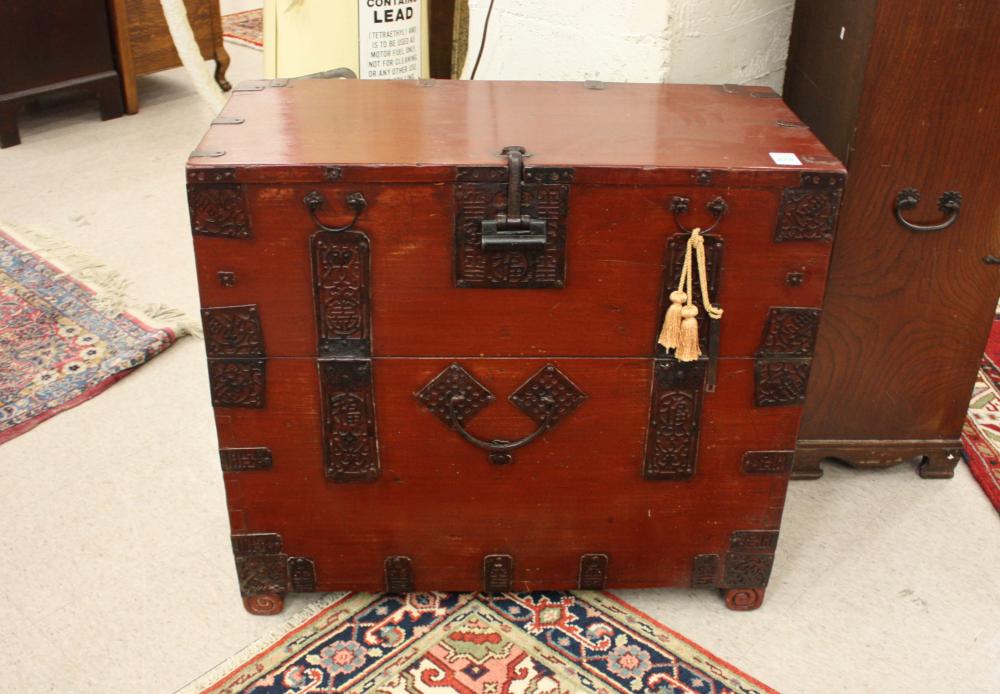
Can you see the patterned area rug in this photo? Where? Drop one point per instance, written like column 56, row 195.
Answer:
column 244, row 28
column 67, row 329
column 522, row 643
column 981, row 433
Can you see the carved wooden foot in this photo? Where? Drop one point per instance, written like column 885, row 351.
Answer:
column 221, row 65
column 266, row 604
column 935, row 458
column 940, row 465
column 744, row 599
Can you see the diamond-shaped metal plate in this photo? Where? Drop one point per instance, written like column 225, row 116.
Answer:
column 553, row 383
column 451, row 382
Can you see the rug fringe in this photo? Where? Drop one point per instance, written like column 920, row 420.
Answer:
column 109, row 286
column 261, row 644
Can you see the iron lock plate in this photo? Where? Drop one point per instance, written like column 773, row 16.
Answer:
column 510, row 224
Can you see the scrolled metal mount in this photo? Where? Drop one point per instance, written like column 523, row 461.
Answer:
column 680, row 205
column 949, row 203
column 315, row 200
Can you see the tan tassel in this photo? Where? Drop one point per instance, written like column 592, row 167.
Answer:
column 671, row 330
column 687, row 343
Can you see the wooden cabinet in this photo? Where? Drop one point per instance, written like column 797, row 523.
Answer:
column 905, row 91
column 434, row 359
column 145, row 46
column 44, row 51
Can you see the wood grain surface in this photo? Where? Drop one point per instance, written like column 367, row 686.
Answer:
column 907, row 314
column 579, row 489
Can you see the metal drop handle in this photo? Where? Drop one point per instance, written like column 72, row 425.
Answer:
column 498, row 445
column 717, row 207
column 315, row 200
column 949, row 203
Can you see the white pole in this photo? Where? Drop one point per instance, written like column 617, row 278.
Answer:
column 187, row 48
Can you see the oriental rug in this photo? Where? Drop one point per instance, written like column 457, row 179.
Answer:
column 517, row 643
column 244, row 28
column 981, row 433
column 67, row 329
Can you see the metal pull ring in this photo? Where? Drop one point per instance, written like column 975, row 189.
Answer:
column 498, row 445
column 314, row 200
column 949, row 203
column 680, row 205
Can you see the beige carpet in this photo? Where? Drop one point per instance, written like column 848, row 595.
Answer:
column 116, row 568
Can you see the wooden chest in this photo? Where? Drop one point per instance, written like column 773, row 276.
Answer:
column 431, row 313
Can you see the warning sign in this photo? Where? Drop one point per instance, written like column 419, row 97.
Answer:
column 389, row 39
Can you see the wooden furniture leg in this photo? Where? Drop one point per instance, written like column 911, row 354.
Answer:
column 9, row 133
column 221, row 65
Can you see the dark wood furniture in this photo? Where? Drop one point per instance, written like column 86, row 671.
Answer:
column 905, row 92
column 412, row 395
column 44, row 51
column 144, row 44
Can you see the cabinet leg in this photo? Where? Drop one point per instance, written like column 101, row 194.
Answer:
column 221, row 65
column 109, row 98
column 940, row 465
column 266, row 604
column 10, row 135
column 744, row 599
column 805, row 465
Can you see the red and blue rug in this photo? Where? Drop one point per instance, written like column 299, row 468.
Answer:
column 981, row 433
column 67, row 329
column 244, row 28
column 510, row 643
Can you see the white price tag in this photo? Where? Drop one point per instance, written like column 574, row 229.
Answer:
column 785, row 159
column 389, row 39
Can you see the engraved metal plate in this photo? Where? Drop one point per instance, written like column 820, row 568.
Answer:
column 781, row 381
column 809, row 213
column 233, row 331
column 453, row 381
column 302, row 574
column 753, row 541
column 767, row 462
column 498, row 573
column 217, row 206
column 398, row 574
column 350, row 440
column 704, row 570
column 549, row 385
column 341, row 281
column 481, row 194
column 747, row 570
column 256, row 543
column 593, row 572
column 237, row 382
column 789, row 331
column 674, row 420
column 244, row 459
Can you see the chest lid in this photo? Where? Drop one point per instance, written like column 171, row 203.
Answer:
column 428, row 130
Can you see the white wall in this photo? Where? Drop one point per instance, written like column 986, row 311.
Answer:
column 710, row 41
